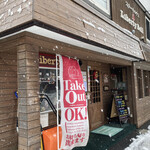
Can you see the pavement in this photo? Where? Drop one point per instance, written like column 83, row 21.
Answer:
column 127, row 140
column 104, row 142
column 120, row 141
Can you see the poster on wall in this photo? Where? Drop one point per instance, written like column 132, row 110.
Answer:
column 106, row 78
column 74, row 116
column 84, row 80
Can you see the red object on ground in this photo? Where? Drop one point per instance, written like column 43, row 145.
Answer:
column 50, row 138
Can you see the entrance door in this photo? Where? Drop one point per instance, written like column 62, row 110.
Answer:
column 95, row 103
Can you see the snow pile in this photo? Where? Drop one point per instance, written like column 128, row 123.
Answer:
column 142, row 142
column 1, row 16
column 89, row 23
column 127, row 31
column 19, row 9
column 5, row 2
column 101, row 29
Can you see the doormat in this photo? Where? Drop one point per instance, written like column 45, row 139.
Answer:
column 107, row 130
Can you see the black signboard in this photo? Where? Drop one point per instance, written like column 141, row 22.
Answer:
column 121, row 108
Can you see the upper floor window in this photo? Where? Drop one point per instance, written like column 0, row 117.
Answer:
column 148, row 28
column 103, row 5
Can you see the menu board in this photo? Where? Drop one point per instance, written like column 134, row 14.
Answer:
column 121, row 108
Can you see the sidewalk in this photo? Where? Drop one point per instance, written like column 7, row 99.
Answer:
column 125, row 142
column 104, row 142
column 118, row 142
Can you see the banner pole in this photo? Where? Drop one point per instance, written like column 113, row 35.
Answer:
column 57, row 78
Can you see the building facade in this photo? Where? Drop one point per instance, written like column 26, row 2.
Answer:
column 110, row 39
column 135, row 19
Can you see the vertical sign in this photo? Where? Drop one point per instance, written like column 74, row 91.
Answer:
column 121, row 107
column 74, row 116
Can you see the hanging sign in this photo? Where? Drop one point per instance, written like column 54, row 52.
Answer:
column 74, row 116
column 47, row 60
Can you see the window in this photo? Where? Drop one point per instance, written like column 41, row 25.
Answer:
column 95, row 86
column 146, row 83
column 48, row 87
column 103, row 5
column 148, row 28
column 139, row 83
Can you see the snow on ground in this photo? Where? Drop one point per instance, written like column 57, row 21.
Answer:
column 142, row 142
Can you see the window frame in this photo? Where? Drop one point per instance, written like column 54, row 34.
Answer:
column 147, row 19
column 98, row 7
column 139, row 83
column 95, row 87
column 146, row 82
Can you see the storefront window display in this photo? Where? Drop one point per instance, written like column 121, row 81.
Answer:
column 47, row 74
column 48, row 87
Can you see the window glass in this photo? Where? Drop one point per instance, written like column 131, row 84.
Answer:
column 146, row 83
column 95, row 86
column 139, row 83
column 102, row 4
column 148, row 29
column 48, row 87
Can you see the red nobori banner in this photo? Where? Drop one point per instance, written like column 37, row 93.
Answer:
column 74, row 116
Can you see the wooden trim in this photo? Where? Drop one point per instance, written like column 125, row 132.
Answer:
column 141, row 105
column 70, row 50
column 130, row 91
column 142, row 65
column 134, row 83
column 28, row 89
column 51, row 28
column 17, row 28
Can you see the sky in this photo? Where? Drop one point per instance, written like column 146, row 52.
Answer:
column 146, row 4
